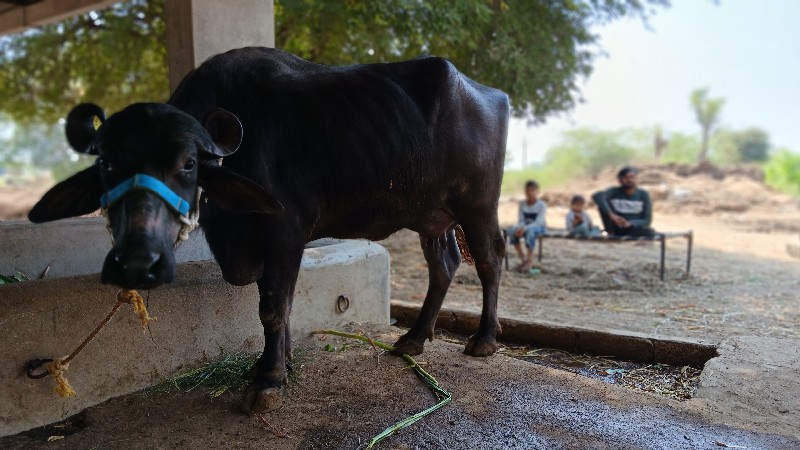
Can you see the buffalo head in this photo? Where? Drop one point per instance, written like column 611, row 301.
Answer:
column 151, row 159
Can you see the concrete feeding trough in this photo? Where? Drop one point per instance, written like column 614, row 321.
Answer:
column 199, row 316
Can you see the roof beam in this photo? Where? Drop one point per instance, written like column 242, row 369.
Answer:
column 20, row 18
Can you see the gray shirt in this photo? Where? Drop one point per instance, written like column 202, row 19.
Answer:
column 587, row 219
column 532, row 214
column 636, row 208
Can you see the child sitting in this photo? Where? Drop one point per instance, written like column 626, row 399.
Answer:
column 530, row 225
column 579, row 223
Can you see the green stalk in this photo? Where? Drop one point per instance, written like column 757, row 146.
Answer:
column 441, row 394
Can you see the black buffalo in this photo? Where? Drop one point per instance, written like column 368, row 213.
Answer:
column 343, row 152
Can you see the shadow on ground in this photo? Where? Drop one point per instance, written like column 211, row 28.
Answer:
column 340, row 399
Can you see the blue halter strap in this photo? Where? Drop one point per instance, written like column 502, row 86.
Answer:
column 141, row 181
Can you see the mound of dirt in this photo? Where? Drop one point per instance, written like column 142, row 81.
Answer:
column 16, row 201
column 699, row 190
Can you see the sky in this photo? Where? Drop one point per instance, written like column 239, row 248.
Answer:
column 746, row 51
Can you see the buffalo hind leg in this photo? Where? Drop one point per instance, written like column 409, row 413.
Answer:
column 287, row 345
column 275, row 289
column 443, row 258
column 487, row 247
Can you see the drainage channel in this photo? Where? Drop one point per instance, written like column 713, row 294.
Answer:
column 667, row 367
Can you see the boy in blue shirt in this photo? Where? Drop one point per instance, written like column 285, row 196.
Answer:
column 530, row 225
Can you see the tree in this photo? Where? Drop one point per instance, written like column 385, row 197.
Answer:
column 588, row 151
column 536, row 50
column 752, row 145
column 41, row 145
column 682, row 149
column 659, row 143
column 112, row 57
column 740, row 146
column 707, row 110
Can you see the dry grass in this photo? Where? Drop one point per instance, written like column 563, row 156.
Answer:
column 677, row 383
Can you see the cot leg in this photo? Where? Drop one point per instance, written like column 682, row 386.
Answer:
column 689, row 253
column 541, row 239
column 663, row 252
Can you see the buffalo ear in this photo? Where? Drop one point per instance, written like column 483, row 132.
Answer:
column 82, row 124
column 225, row 130
column 75, row 196
column 232, row 192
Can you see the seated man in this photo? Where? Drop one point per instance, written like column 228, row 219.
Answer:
column 625, row 210
column 530, row 225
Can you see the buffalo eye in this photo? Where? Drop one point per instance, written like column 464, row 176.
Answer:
column 189, row 166
column 104, row 164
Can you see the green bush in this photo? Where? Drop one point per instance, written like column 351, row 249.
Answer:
column 782, row 172
column 681, row 148
column 583, row 152
column 514, row 180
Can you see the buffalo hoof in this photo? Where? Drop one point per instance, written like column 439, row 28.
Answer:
column 260, row 399
column 406, row 346
column 479, row 346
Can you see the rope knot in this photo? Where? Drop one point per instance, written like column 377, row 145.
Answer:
column 56, row 370
column 133, row 298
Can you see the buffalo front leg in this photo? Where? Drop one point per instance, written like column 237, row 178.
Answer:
column 443, row 258
column 269, row 373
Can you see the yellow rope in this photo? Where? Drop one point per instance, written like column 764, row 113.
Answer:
column 133, row 298
column 57, row 368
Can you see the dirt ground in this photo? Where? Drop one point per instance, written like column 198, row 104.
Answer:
column 16, row 201
column 340, row 399
column 743, row 281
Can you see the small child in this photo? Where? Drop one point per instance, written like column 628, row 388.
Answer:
column 530, row 225
column 579, row 222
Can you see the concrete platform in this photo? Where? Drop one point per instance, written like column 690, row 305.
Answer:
column 755, row 384
column 198, row 317
column 340, row 399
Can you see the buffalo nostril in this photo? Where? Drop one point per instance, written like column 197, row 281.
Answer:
column 155, row 259
column 142, row 263
column 118, row 260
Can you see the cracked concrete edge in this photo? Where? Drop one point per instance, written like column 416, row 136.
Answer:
column 625, row 345
column 199, row 316
column 754, row 384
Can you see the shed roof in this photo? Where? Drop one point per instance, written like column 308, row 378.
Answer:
column 18, row 15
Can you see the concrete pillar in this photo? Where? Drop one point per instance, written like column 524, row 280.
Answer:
column 199, row 29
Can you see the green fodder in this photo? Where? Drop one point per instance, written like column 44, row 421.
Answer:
column 13, row 278
column 228, row 373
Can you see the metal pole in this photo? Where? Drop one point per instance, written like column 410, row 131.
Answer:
column 541, row 240
column 663, row 252
column 689, row 252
